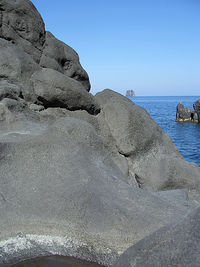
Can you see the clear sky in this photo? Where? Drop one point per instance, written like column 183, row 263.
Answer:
column 150, row 46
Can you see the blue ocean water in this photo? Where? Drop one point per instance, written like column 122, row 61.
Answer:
column 162, row 109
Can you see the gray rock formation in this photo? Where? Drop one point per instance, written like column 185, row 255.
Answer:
column 27, row 48
column 53, row 89
column 16, row 66
column 184, row 114
column 174, row 245
column 62, row 194
column 75, row 169
column 197, row 108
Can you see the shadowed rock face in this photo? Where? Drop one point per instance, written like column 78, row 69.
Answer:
column 174, row 245
column 57, row 261
column 59, row 56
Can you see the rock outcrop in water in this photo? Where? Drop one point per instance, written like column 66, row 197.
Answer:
column 184, row 114
column 78, row 173
column 196, row 106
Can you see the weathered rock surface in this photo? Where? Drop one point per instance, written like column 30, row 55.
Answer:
column 8, row 90
column 174, row 245
column 152, row 159
column 22, row 25
column 62, row 194
column 16, row 66
column 72, row 183
column 26, row 49
column 185, row 114
column 197, row 108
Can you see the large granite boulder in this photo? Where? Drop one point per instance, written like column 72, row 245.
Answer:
column 185, row 114
column 174, row 245
column 53, row 89
column 60, row 193
column 152, row 159
column 197, row 108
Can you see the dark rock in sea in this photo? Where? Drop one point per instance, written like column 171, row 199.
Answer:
column 197, row 108
column 76, row 171
column 174, row 245
column 184, row 114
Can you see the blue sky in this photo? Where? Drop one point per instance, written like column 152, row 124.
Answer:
column 150, row 46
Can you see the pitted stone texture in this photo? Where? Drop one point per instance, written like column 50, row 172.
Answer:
column 174, row 245
column 54, row 89
column 61, row 57
column 22, row 24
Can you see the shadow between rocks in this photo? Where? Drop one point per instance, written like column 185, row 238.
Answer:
column 56, row 261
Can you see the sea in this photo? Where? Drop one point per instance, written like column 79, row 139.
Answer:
column 162, row 109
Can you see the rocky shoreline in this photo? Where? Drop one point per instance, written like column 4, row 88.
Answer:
column 81, row 176
column 184, row 114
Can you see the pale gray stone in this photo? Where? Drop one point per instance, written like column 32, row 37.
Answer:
column 65, row 196
column 174, row 245
column 35, row 107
